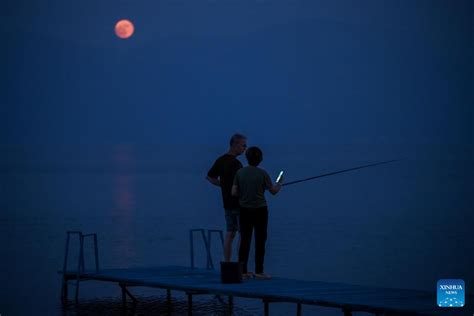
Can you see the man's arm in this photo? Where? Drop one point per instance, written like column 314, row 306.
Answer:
column 214, row 181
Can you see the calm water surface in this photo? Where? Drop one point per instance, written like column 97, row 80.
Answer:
column 403, row 225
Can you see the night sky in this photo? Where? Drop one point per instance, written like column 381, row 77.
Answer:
column 281, row 72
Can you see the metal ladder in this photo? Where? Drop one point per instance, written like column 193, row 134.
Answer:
column 207, row 244
column 80, row 264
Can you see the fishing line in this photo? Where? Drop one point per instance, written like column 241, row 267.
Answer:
column 340, row 171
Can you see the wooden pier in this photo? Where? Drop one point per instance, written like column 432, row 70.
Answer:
column 207, row 281
column 348, row 298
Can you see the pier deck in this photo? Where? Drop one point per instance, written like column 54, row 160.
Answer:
column 349, row 298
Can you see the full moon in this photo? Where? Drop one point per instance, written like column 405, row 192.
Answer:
column 124, row 29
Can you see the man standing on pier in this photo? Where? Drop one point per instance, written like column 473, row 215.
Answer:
column 222, row 174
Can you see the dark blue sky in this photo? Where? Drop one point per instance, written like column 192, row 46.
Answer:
column 342, row 71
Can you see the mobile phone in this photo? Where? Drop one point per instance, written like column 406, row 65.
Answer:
column 279, row 176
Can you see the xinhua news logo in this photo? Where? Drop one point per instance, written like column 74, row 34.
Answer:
column 451, row 293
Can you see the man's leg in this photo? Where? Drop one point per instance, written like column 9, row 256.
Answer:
column 237, row 220
column 232, row 222
column 239, row 239
column 261, row 224
column 229, row 237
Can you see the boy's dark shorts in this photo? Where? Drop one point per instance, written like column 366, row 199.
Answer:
column 232, row 220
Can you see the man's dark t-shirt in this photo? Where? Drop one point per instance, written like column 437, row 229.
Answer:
column 225, row 168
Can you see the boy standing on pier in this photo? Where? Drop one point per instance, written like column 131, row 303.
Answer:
column 249, row 185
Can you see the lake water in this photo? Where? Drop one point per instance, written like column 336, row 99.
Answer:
column 401, row 225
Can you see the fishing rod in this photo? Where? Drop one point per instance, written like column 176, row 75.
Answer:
column 341, row 171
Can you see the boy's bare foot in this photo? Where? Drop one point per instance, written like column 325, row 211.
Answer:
column 262, row 276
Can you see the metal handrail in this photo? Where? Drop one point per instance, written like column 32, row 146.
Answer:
column 66, row 252
column 80, row 261
column 207, row 245
column 96, row 250
column 209, row 235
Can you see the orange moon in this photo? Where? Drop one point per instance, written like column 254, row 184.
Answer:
column 124, row 29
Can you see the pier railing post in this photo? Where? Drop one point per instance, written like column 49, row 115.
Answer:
column 96, row 251
column 266, row 308
column 231, row 305
column 125, row 293
column 206, row 246
column 80, row 265
column 209, row 235
column 66, row 252
column 64, row 287
column 190, row 303
column 124, row 297
column 191, row 242
column 64, row 283
column 210, row 264
column 169, row 304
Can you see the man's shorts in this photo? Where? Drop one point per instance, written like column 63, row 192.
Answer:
column 232, row 220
